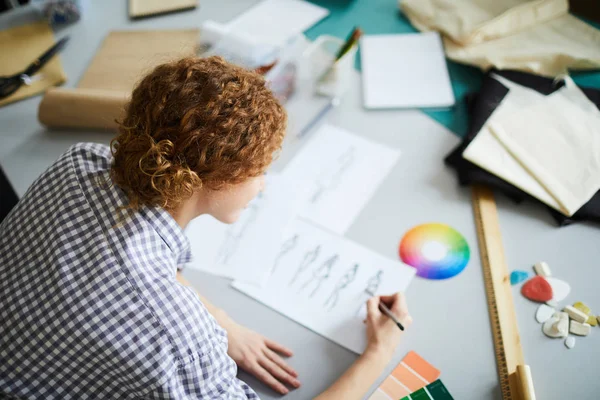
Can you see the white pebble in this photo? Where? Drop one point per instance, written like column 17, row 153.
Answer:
column 560, row 289
column 556, row 328
column 543, row 313
column 542, row 269
column 575, row 314
column 579, row 329
column 570, row 342
column 552, row 303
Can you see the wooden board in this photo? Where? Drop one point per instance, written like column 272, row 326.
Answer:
column 507, row 343
column 126, row 56
column 148, row 8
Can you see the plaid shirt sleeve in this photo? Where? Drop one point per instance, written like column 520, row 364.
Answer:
column 89, row 304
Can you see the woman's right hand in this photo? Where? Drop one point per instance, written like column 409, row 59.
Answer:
column 383, row 335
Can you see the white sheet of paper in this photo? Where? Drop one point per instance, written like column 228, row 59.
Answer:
column 343, row 171
column 274, row 22
column 405, row 70
column 246, row 249
column 557, row 141
column 488, row 153
column 321, row 280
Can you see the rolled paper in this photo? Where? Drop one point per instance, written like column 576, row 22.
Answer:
column 82, row 108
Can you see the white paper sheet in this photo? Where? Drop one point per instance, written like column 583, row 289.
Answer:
column 321, row 281
column 407, row 70
column 343, row 171
column 246, row 249
column 276, row 21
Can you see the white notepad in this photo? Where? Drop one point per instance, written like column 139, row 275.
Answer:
column 274, row 22
column 405, row 71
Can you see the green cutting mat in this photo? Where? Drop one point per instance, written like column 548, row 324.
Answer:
column 384, row 16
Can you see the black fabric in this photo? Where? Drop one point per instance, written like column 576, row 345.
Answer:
column 481, row 106
column 8, row 197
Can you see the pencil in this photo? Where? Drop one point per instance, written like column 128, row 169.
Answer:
column 384, row 309
column 350, row 41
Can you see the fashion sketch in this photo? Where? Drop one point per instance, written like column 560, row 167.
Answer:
column 320, row 275
column 286, row 247
column 331, row 178
column 370, row 290
column 235, row 233
column 342, row 284
column 306, row 262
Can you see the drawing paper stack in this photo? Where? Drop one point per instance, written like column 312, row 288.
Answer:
column 287, row 249
column 541, row 141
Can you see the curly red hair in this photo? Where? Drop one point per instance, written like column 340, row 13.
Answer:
column 195, row 123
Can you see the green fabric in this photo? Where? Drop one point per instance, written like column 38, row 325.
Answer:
column 384, row 16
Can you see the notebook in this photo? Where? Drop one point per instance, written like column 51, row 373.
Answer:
column 405, row 71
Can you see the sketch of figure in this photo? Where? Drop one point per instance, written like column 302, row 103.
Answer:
column 306, row 262
column 286, row 247
column 370, row 290
column 342, row 284
column 320, row 275
column 235, row 233
column 329, row 179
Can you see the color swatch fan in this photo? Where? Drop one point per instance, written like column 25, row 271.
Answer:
column 437, row 251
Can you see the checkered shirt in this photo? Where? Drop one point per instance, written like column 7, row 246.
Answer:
column 89, row 304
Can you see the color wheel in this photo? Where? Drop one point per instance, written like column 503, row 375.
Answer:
column 437, row 251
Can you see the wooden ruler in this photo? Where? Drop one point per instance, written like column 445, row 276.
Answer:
column 515, row 377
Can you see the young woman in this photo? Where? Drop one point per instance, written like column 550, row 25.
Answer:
column 92, row 302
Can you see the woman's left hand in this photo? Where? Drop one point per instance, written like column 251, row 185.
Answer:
column 260, row 356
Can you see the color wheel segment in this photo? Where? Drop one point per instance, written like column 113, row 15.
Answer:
column 436, row 251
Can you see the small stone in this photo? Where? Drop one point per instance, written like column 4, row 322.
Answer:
column 592, row 320
column 575, row 314
column 544, row 313
column 570, row 342
column 552, row 303
column 556, row 327
column 548, row 327
column 583, row 308
column 518, row 277
column 542, row 269
column 579, row 329
column 560, row 289
column 537, row 289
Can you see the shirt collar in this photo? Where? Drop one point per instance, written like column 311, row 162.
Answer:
column 170, row 232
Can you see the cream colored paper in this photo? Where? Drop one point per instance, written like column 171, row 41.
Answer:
column 558, row 142
column 18, row 48
column 534, row 36
column 488, row 153
column 146, row 8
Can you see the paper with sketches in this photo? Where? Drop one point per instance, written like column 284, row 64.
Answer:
column 343, row 171
column 274, row 22
column 322, row 281
column 246, row 249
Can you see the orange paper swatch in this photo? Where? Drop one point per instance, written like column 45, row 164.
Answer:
column 412, row 374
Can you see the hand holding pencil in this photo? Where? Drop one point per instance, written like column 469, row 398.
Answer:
column 383, row 334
